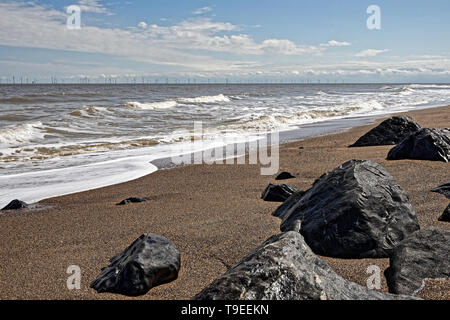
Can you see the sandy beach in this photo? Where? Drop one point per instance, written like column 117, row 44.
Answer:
column 213, row 213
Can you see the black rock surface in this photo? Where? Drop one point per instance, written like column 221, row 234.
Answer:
column 389, row 132
column 357, row 210
column 425, row 144
column 443, row 189
column 285, row 268
column 284, row 176
column 131, row 200
column 15, row 205
column 284, row 209
column 425, row 254
column 151, row 260
column 445, row 217
column 277, row 192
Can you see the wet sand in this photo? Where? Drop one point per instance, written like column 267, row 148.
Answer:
column 213, row 213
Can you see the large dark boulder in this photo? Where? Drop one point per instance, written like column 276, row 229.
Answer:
column 285, row 268
column 151, row 260
column 15, row 205
column 424, row 255
column 425, row 144
column 390, row 131
column 277, row 192
column 443, row 189
column 357, row 210
column 445, row 217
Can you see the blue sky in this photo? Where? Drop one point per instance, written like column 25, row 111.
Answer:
column 255, row 40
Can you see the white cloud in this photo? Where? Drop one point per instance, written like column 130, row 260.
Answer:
column 202, row 10
column 36, row 26
column 190, row 47
column 334, row 43
column 93, row 6
column 142, row 25
column 287, row 47
column 370, row 53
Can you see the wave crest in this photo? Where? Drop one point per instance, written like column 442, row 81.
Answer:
column 206, row 99
column 19, row 133
column 152, row 105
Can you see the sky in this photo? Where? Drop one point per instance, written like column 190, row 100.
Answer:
column 233, row 40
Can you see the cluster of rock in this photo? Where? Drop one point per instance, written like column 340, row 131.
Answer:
column 389, row 132
column 357, row 210
column 285, row 268
column 411, row 140
column 425, row 144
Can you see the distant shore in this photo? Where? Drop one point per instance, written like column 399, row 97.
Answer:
column 213, row 213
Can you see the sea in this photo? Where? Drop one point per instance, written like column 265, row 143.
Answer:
column 58, row 139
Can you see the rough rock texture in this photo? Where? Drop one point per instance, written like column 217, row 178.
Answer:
column 151, row 260
column 357, row 210
column 390, row 131
column 277, row 192
column 445, row 217
column 284, row 208
column 443, row 189
column 425, row 144
column 15, row 205
column 423, row 255
column 285, row 268
column 284, row 176
column 131, row 200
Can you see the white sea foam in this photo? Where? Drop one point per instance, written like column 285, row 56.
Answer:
column 167, row 104
column 20, row 133
column 102, row 127
column 152, row 105
column 432, row 86
column 206, row 99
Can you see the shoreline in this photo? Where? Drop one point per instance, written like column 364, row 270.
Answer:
column 141, row 167
column 212, row 212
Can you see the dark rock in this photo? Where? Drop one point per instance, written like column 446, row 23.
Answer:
column 15, row 205
column 443, row 189
column 390, row 131
column 284, row 209
column 357, row 210
column 131, row 200
column 284, row 268
column 151, row 260
column 445, row 217
column 425, row 144
column 424, row 255
column 284, row 175
column 277, row 192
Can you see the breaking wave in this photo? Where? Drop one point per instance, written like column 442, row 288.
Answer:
column 167, row 104
column 206, row 99
column 152, row 105
column 19, row 133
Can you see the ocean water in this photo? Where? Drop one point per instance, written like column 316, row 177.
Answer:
column 59, row 139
